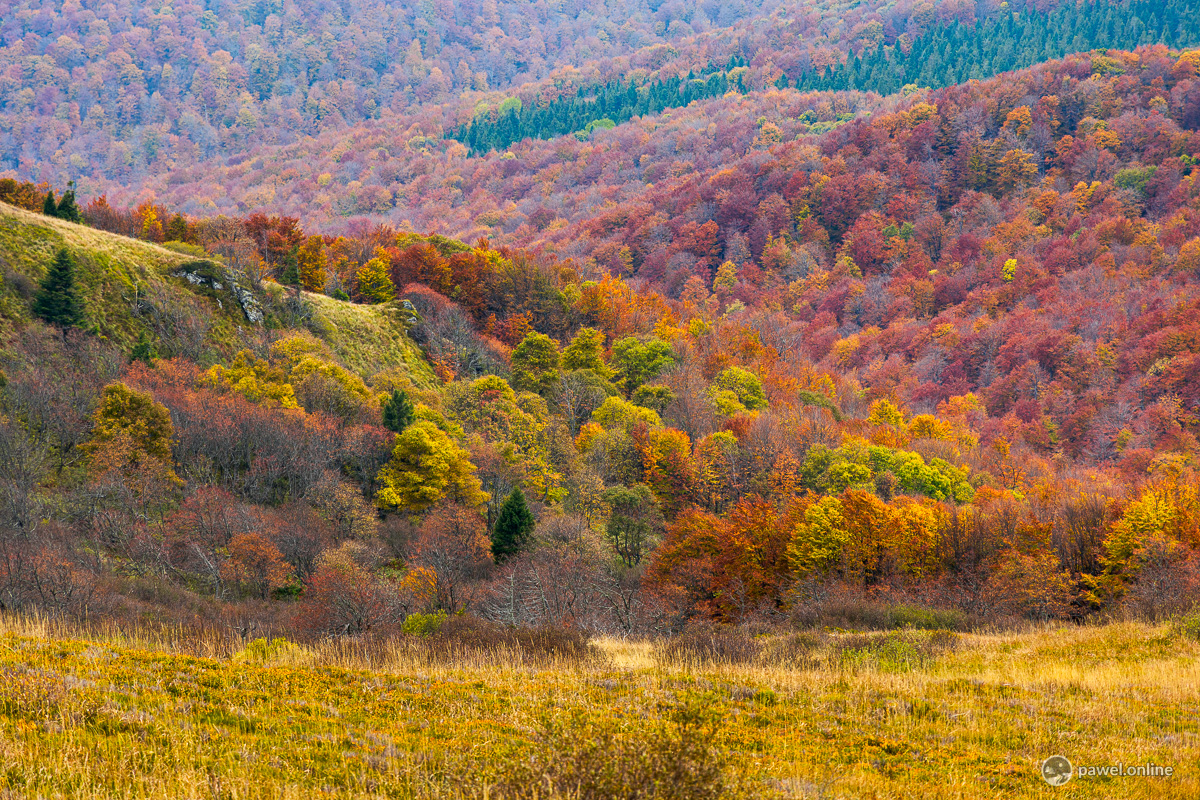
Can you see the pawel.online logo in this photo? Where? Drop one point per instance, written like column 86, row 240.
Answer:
column 1057, row 770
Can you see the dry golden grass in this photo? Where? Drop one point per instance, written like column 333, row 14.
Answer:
column 369, row 340
column 105, row 713
column 123, row 249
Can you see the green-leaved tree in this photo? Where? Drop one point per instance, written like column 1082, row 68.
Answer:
column 535, row 364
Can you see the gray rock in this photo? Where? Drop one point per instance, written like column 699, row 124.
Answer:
column 237, row 282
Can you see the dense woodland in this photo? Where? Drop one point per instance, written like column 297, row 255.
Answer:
column 957, row 52
column 942, row 354
column 116, row 96
column 614, row 316
column 943, row 55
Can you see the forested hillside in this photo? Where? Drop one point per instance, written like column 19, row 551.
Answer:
column 960, row 51
column 599, row 398
column 942, row 55
column 114, row 94
column 940, row 354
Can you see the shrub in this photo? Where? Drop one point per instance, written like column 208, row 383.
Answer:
column 929, row 619
column 423, row 624
column 464, row 636
column 712, row 643
column 46, row 697
column 895, row 651
column 1188, row 625
column 270, row 651
column 794, row 651
column 599, row 759
column 862, row 614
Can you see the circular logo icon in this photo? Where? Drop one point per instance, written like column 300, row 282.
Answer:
column 1056, row 770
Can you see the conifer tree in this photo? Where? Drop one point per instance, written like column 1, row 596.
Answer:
column 67, row 208
column 398, row 411
column 57, row 300
column 144, row 350
column 290, row 274
column 50, row 208
column 514, row 525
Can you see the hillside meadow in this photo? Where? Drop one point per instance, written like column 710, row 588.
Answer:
column 100, row 712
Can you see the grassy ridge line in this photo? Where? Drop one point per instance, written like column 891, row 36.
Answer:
column 113, row 269
column 73, row 234
column 126, row 721
column 110, row 271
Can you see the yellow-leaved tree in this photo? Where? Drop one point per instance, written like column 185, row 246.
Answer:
column 426, row 467
column 1149, row 523
column 818, row 540
column 254, row 378
column 128, row 413
column 311, row 262
column 373, row 282
column 129, row 453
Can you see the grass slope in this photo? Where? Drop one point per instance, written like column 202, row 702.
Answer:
column 116, row 272
column 111, row 268
column 876, row 716
column 369, row 340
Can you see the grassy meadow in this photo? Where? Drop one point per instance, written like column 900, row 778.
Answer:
column 103, row 713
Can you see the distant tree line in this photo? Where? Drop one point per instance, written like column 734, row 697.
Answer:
column 40, row 197
column 954, row 53
column 608, row 105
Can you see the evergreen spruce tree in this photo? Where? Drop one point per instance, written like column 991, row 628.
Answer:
column 144, row 350
column 67, row 209
column 398, row 411
column 514, row 524
column 290, row 274
column 57, row 301
column 50, row 208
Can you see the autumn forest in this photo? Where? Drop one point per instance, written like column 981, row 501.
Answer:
column 740, row 359
column 600, row 398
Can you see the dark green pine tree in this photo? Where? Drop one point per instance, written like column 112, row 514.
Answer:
column 50, row 208
column 57, row 301
column 67, row 209
column 290, row 274
column 514, row 524
column 398, row 411
column 144, row 350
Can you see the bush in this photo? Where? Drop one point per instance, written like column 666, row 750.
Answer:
column 47, row 698
column 423, row 624
column 928, row 619
column 464, row 636
column 668, row 759
column 270, row 651
column 712, row 643
column 855, row 613
column 1188, row 625
column 895, row 651
column 728, row 645
column 794, row 651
